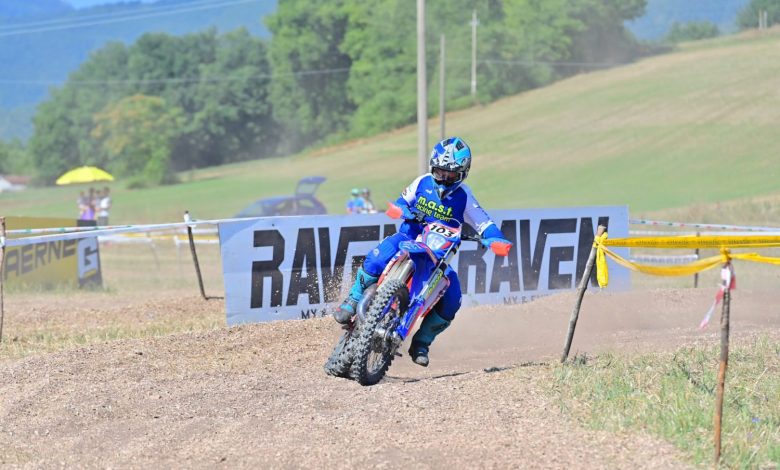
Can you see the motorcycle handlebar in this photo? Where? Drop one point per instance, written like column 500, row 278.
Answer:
column 398, row 213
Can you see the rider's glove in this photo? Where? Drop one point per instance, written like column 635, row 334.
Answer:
column 499, row 246
column 400, row 211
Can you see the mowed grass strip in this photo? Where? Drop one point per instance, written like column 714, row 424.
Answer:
column 672, row 395
column 691, row 127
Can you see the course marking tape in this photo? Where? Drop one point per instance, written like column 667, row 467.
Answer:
column 94, row 232
column 652, row 259
column 709, row 241
column 33, row 231
column 742, row 228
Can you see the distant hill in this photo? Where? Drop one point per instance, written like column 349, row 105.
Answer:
column 31, row 9
column 684, row 129
column 661, row 14
column 42, row 41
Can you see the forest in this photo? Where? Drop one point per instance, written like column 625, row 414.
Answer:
column 330, row 71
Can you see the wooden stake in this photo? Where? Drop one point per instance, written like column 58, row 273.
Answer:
column 195, row 256
column 724, row 362
column 2, row 273
column 586, row 275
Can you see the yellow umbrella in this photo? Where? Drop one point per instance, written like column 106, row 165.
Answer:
column 84, row 174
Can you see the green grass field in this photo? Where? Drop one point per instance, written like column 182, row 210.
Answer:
column 690, row 128
column 672, row 395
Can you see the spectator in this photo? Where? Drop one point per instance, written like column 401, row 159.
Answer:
column 81, row 204
column 355, row 204
column 369, row 207
column 87, row 205
column 104, row 206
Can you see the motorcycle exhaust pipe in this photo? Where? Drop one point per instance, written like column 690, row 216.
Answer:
column 365, row 302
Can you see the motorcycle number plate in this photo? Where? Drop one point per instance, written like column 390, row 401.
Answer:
column 443, row 230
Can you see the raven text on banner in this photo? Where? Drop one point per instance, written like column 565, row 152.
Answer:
column 300, row 267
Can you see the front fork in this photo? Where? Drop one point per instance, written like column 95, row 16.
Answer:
column 403, row 267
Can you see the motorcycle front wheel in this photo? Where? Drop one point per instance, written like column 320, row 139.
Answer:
column 373, row 352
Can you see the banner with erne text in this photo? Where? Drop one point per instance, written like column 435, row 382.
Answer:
column 54, row 263
column 294, row 267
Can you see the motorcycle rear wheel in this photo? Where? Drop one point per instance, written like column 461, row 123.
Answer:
column 341, row 358
column 372, row 355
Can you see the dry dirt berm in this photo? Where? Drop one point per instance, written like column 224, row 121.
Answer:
column 256, row 395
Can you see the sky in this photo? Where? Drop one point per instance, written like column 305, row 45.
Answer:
column 92, row 3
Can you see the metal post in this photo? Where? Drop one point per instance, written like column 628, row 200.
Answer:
column 441, row 91
column 474, row 23
column 586, row 275
column 2, row 273
column 422, row 93
column 195, row 256
column 724, row 362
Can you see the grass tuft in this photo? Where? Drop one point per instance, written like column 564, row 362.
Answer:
column 672, row 395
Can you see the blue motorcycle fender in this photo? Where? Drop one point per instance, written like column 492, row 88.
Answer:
column 417, row 248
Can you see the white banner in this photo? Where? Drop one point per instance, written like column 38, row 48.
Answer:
column 293, row 267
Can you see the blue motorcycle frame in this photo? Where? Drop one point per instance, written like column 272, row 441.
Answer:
column 411, row 284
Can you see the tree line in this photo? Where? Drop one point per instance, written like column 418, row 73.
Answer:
column 332, row 70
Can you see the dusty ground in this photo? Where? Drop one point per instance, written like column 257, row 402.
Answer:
column 256, row 396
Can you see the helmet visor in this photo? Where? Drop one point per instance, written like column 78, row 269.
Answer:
column 445, row 176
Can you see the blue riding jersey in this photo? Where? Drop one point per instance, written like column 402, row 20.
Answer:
column 422, row 196
column 460, row 205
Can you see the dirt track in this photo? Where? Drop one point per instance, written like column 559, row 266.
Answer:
column 256, row 395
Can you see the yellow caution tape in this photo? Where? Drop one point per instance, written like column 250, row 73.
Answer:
column 722, row 242
column 602, row 273
column 692, row 242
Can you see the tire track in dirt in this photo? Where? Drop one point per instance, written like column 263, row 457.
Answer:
column 256, row 395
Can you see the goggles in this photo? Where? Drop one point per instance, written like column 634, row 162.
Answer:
column 445, row 176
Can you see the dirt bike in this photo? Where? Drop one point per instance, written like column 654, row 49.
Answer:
column 410, row 285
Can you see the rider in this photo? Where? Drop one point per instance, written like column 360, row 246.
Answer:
column 438, row 195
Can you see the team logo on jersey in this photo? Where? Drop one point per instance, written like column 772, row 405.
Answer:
column 433, row 209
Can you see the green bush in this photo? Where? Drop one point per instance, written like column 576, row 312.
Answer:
column 693, row 31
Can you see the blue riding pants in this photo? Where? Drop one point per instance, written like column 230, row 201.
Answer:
column 377, row 259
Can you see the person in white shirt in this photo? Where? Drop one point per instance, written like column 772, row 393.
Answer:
column 104, row 206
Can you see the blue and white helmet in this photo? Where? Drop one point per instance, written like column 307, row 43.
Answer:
column 450, row 164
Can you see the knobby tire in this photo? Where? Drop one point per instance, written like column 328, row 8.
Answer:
column 340, row 359
column 363, row 336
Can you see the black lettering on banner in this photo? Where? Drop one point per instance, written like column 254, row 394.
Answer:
column 270, row 268
column 69, row 247
column 55, row 248
column 305, row 251
column 511, row 272
column 559, row 254
column 365, row 233
column 587, row 234
column 11, row 261
column 27, row 258
column 469, row 258
column 331, row 276
column 40, row 254
column 313, row 313
column 531, row 269
column 389, row 229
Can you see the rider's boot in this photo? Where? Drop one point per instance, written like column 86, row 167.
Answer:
column 431, row 326
column 349, row 306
